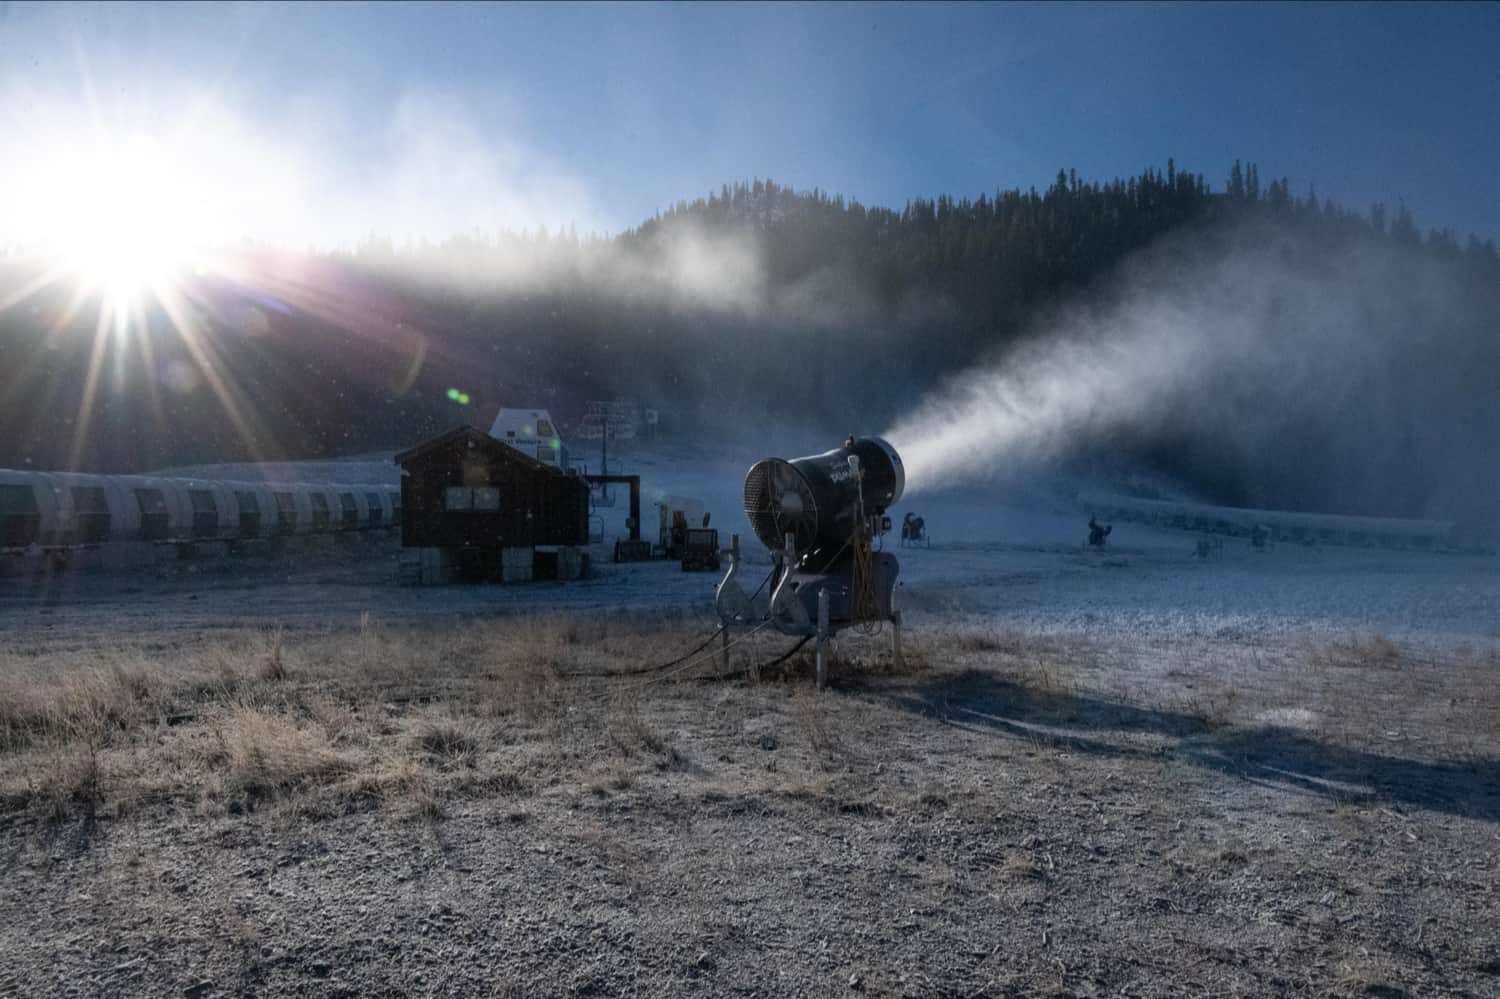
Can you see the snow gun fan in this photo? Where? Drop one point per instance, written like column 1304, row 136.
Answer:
column 822, row 500
column 821, row 517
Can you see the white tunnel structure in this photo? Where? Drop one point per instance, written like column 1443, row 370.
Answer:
column 64, row 510
column 1280, row 525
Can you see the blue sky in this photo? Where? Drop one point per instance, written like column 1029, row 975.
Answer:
column 600, row 115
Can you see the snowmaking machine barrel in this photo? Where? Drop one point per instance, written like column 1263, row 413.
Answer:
column 820, row 499
column 819, row 515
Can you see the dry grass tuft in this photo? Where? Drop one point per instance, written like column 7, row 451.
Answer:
column 338, row 720
column 492, row 780
column 271, row 667
column 83, row 706
column 445, row 737
column 263, row 752
column 73, row 777
column 135, row 680
column 613, row 777
column 402, row 786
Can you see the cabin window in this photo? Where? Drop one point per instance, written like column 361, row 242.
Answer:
column 322, row 517
column 90, row 514
column 462, row 499
column 20, row 520
column 205, row 513
column 249, row 514
column 286, row 513
column 155, row 521
column 543, row 428
column 350, row 510
column 377, row 515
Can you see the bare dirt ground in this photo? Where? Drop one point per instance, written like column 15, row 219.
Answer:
column 288, row 796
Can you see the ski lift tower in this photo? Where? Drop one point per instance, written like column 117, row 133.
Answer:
column 605, row 420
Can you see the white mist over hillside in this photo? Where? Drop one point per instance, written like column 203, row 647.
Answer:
column 1351, row 376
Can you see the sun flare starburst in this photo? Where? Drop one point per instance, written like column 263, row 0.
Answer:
column 125, row 207
column 124, row 217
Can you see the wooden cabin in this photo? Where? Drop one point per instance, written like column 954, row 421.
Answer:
column 464, row 490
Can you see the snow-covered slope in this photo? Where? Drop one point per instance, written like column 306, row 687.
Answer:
column 1013, row 555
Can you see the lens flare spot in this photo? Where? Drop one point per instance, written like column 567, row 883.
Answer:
column 181, row 377
column 249, row 320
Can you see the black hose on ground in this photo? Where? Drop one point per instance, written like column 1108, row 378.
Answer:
column 653, row 669
column 680, row 659
column 790, row 652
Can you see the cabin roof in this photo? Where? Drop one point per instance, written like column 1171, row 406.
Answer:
column 475, row 438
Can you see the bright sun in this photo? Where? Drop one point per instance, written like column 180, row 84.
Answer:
column 124, row 218
column 128, row 212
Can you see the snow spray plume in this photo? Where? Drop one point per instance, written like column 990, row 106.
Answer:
column 1346, row 376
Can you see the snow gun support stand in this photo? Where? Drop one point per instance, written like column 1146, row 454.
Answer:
column 815, row 595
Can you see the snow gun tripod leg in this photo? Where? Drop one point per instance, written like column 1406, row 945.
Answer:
column 896, row 633
column 734, row 559
column 822, row 638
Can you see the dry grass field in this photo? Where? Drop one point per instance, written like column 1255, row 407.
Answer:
column 499, row 807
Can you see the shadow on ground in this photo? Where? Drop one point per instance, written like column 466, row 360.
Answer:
column 1287, row 758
